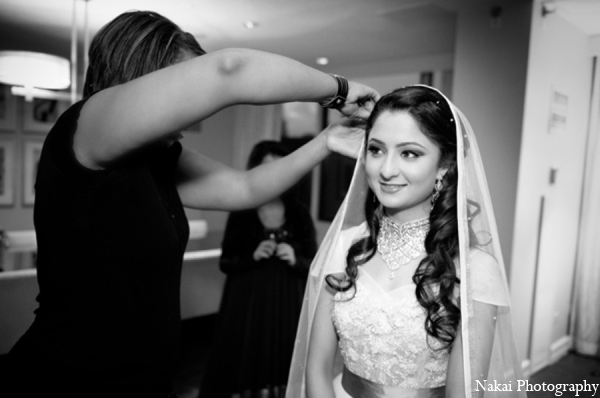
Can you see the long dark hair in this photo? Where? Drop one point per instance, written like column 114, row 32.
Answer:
column 436, row 277
column 133, row 44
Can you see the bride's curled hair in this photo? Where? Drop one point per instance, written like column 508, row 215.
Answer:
column 436, row 276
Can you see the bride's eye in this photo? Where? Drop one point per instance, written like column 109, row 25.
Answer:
column 410, row 154
column 374, row 150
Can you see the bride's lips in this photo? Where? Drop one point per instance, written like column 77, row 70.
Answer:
column 391, row 188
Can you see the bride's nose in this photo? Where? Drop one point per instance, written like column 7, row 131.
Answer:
column 390, row 167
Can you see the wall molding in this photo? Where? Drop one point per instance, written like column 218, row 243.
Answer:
column 560, row 348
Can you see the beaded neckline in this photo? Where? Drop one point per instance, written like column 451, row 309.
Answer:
column 400, row 244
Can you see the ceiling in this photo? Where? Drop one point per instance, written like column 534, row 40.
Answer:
column 348, row 32
column 345, row 31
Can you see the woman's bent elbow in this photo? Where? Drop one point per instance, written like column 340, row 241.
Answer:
column 231, row 62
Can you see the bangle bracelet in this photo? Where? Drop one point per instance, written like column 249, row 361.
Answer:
column 339, row 100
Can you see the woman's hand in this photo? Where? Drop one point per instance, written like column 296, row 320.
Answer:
column 285, row 252
column 265, row 249
column 345, row 136
column 360, row 101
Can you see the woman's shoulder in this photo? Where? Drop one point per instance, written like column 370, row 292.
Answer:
column 58, row 145
column 487, row 277
column 476, row 254
column 484, row 263
column 66, row 123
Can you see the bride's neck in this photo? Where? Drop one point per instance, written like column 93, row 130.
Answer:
column 402, row 217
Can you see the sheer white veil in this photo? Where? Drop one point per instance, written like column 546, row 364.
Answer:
column 480, row 266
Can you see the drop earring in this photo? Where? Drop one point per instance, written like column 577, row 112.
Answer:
column 437, row 187
column 374, row 198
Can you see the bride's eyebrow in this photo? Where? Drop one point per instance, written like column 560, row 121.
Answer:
column 410, row 143
column 400, row 145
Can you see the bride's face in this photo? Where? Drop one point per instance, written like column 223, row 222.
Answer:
column 401, row 166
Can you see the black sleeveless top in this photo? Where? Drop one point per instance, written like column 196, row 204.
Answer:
column 110, row 251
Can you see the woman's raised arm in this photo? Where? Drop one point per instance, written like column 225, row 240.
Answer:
column 156, row 107
column 206, row 184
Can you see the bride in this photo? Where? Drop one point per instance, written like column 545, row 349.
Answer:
column 407, row 296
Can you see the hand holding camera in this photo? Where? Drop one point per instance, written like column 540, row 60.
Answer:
column 265, row 249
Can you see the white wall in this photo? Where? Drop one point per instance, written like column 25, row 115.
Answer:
column 559, row 61
column 489, row 85
column 408, row 66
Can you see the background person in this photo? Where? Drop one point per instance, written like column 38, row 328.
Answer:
column 266, row 255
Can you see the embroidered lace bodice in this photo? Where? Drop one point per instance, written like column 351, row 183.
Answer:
column 383, row 338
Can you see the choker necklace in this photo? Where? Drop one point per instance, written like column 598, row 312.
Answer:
column 400, row 244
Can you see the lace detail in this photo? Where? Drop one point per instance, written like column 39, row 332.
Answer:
column 384, row 340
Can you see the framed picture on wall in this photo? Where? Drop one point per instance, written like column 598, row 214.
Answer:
column 7, row 170
column 39, row 115
column 31, row 156
column 8, row 119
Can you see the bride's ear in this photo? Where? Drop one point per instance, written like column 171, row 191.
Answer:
column 441, row 173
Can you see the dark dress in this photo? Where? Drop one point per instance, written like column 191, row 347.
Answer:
column 110, row 251
column 260, row 307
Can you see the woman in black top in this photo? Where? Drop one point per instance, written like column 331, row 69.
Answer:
column 112, row 183
column 266, row 255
